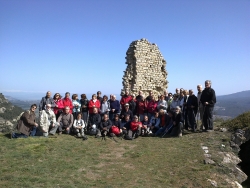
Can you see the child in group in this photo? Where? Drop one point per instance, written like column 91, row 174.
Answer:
column 76, row 105
column 145, row 130
column 79, row 126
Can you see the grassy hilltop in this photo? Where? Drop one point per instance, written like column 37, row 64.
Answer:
column 145, row 162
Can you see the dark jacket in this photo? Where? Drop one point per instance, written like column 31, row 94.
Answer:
column 132, row 106
column 94, row 119
column 208, row 95
column 84, row 102
column 192, row 101
column 177, row 118
column 44, row 101
column 105, row 124
column 26, row 122
column 114, row 105
column 124, row 113
column 125, row 124
column 117, row 124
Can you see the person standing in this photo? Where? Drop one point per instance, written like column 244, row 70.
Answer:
column 46, row 100
column 67, row 102
column 76, row 105
column 99, row 96
column 114, row 107
column 85, row 107
column 94, row 103
column 192, row 106
column 200, row 106
column 58, row 109
column 126, row 98
column 208, row 99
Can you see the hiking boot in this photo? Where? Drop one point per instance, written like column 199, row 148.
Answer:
column 78, row 135
column 60, row 133
column 97, row 136
column 84, row 137
column 112, row 134
column 180, row 135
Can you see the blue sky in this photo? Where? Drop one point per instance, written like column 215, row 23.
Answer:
column 80, row 45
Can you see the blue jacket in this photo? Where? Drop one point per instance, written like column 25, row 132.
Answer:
column 155, row 121
column 115, row 105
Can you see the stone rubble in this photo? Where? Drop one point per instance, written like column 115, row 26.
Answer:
column 146, row 69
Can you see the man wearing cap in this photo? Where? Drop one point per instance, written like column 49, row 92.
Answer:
column 46, row 100
column 125, row 112
column 126, row 98
column 208, row 99
column 67, row 102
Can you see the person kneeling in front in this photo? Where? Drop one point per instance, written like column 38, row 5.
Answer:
column 48, row 124
column 79, row 126
column 65, row 121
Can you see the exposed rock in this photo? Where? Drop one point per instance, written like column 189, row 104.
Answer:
column 2, row 110
column 229, row 157
column 146, row 69
column 235, row 184
column 208, row 161
column 238, row 174
column 214, row 183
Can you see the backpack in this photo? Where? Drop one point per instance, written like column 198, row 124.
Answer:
column 115, row 130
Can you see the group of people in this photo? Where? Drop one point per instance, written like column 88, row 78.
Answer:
column 132, row 116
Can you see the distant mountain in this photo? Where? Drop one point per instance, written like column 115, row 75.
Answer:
column 233, row 104
column 8, row 113
column 21, row 103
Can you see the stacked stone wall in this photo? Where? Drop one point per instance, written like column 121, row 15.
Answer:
column 146, row 69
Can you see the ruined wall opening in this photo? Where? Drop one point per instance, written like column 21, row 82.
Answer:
column 244, row 155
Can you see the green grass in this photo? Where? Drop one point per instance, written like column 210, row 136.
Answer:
column 240, row 122
column 145, row 162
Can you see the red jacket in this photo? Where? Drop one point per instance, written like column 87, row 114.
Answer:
column 125, row 99
column 94, row 104
column 59, row 104
column 141, row 107
column 67, row 102
column 152, row 106
column 134, row 125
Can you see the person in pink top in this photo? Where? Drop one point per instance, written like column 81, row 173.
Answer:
column 126, row 98
column 58, row 109
column 152, row 107
column 94, row 103
column 67, row 102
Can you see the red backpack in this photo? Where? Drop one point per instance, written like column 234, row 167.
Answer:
column 115, row 130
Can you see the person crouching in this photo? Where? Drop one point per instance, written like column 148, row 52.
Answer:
column 105, row 125
column 48, row 124
column 135, row 128
column 79, row 126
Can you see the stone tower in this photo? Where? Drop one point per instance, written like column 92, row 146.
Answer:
column 146, row 69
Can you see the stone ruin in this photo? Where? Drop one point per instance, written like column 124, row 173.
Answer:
column 146, row 69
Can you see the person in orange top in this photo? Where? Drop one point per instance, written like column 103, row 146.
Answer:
column 94, row 103
column 135, row 128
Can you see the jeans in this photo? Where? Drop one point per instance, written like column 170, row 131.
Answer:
column 33, row 131
column 85, row 117
column 19, row 135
